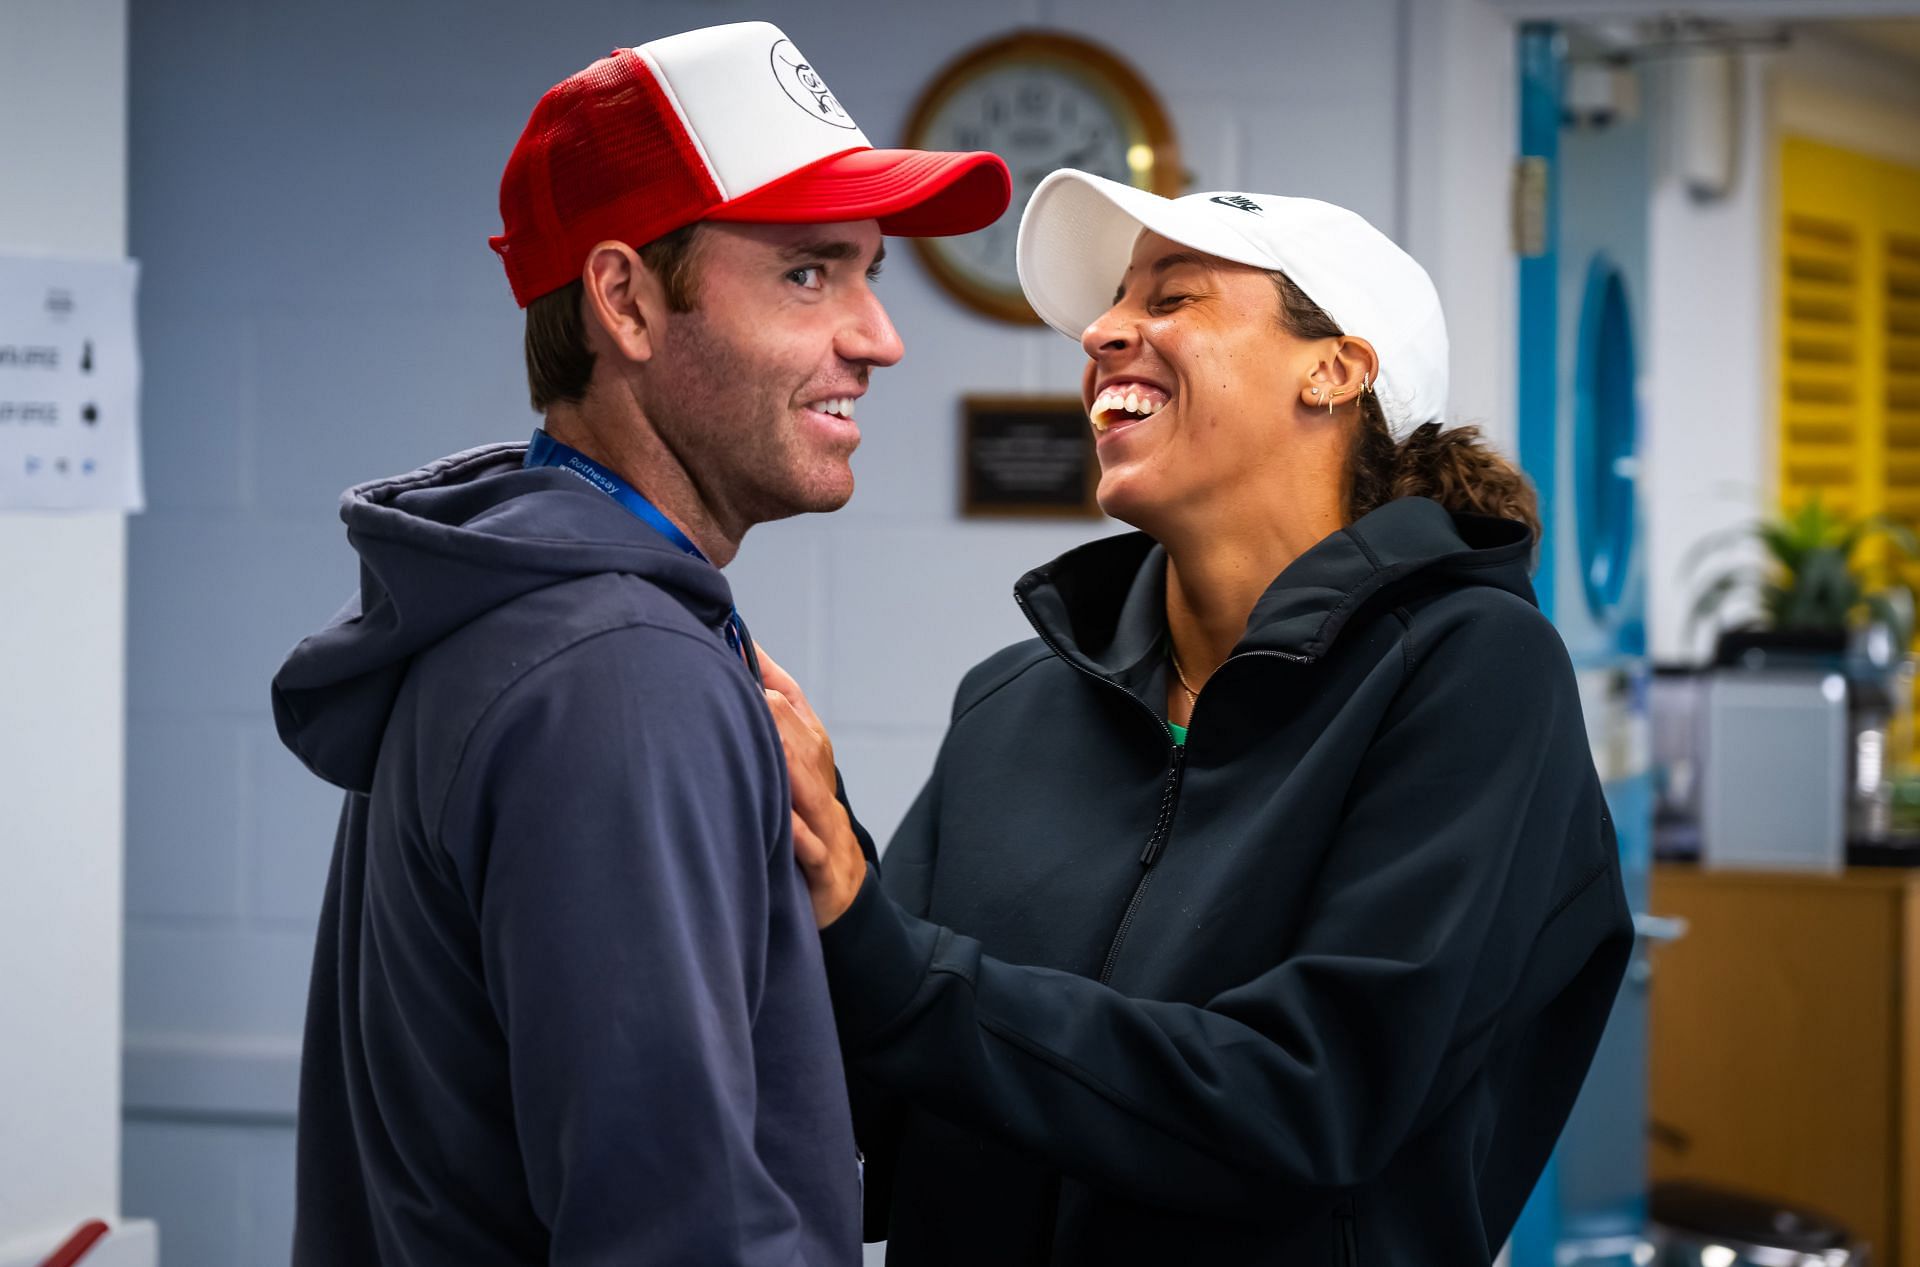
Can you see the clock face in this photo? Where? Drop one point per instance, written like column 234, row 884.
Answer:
column 1042, row 100
column 1038, row 117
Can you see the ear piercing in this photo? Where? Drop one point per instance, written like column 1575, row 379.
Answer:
column 1366, row 386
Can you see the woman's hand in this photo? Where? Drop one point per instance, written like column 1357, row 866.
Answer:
column 823, row 839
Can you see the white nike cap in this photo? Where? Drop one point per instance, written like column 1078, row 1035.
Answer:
column 1077, row 236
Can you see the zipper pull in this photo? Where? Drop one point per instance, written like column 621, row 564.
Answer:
column 1164, row 828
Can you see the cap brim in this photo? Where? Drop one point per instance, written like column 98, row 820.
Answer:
column 912, row 193
column 1077, row 236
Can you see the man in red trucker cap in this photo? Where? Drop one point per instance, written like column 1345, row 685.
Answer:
column 567, row 1004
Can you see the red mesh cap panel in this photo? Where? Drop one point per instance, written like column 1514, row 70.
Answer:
column 604, row 157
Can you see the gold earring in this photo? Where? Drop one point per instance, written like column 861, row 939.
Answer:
column 1366, row 382
column 1329, row 404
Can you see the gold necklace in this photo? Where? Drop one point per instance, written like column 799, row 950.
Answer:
column 1192, row 697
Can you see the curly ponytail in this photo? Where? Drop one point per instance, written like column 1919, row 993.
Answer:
column 1454, row 466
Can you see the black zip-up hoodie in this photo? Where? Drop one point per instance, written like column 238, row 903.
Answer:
column 1319, row 987
column 567, row 1005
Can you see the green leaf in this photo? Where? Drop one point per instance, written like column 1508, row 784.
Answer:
column 1708, row 600
column 1826, row 591
column 1783, row 544
column 1775, row 600
column 1717, row 541
column 1805, row 526
column 1897, row 532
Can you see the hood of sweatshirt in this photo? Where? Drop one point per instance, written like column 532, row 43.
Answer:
column 438, row 548
column 1103, row 605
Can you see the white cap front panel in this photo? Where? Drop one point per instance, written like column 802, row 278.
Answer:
column 754, row 105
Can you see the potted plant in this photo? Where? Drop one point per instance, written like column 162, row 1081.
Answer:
column 1830, row 595
column 1826, row 583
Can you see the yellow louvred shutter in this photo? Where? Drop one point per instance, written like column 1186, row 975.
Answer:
column 1850, row 331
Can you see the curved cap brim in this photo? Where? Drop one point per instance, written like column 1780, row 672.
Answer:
column 1077, row 236
column 912, row 193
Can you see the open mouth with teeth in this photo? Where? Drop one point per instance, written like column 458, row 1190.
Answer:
column 1123, row 403
column 840, row 406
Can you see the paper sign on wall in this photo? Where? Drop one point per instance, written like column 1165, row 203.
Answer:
column 69, row 385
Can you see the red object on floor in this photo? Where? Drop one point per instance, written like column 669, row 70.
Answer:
column 75, row 1247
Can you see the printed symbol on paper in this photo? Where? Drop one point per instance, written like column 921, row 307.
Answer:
column 86, row 357
column 33, row 466
column 89, row 414
column 60, row 302
column 800, row 81
column 60, row 465
column 87, row 467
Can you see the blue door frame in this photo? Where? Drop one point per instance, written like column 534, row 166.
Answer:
column 1578, row 437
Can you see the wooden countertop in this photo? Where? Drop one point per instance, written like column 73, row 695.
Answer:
column 1872, row 878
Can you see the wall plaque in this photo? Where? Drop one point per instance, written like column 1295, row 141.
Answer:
column 1027, row 456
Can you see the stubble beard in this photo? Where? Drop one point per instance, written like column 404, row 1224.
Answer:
column 729, row 417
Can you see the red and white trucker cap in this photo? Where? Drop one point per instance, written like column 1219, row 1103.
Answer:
column 724, row 123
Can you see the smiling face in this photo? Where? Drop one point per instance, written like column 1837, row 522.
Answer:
column 754, row 390
column 1192, row 386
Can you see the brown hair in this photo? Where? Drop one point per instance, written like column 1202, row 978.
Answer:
column 1455, row 466
column 559, row 362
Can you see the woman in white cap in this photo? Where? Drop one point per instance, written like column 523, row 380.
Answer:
column 1265, row 907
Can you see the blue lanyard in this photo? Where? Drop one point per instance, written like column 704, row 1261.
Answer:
column 544, row 450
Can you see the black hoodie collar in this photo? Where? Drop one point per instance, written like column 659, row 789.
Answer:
column 1102, row 606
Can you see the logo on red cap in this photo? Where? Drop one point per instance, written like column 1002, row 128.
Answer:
column 803, row 84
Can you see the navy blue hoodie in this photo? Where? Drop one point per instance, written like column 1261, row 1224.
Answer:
column 567, row 1002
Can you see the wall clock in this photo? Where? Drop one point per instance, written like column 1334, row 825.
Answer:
column 1041, row 100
